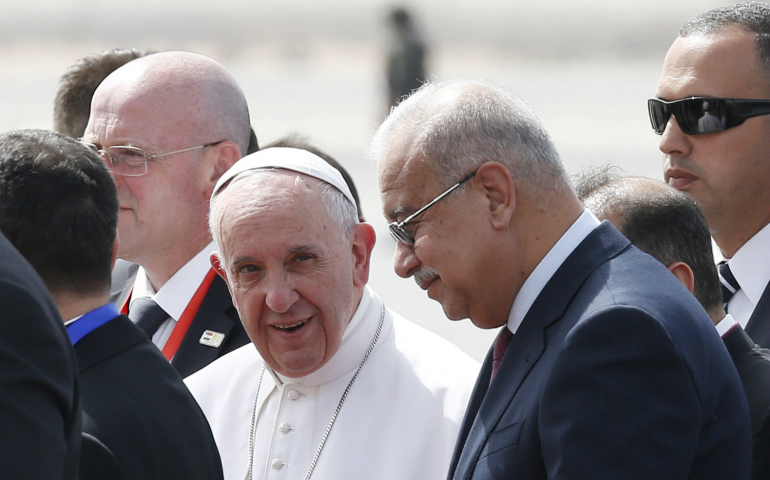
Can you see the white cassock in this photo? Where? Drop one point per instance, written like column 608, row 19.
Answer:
column 399, row 421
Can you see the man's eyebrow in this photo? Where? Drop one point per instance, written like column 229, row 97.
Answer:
column 240, row 261
column 302, row 248
column 398, row 210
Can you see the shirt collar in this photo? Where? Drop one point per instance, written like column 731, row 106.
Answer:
column 751, row 265
column 177, row 292
column 534, row 284
column 725, row 325
column 355, row 342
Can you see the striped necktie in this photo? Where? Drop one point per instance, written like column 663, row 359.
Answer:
column 729, row 283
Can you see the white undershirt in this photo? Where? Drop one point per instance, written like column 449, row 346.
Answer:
column 751, row 268
column 176, row 293
column 534, row 284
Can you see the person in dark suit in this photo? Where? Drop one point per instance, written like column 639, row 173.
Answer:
column 668, row 225
column 40, row 418
column 168, row 125
column 58, row 206
column 594, row 373
column 720, row 56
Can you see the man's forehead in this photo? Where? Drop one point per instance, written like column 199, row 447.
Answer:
column 720, row 64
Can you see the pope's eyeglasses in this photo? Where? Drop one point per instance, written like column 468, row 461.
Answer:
column 398, row 229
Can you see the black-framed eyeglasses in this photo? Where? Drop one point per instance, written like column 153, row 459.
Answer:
column 132, row 161
column 398, row 229
column 699, row 115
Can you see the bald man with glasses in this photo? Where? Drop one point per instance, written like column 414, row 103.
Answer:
column 719, row 66
column 168, row 125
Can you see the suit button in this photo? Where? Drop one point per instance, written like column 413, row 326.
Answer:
column 293, row 394
column 284, row 427
column 277, row 464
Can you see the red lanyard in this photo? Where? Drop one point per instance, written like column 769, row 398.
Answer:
column 173, row 342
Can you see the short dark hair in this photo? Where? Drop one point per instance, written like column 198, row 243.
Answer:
column 59, row 208
column 659, row 220
column 253, row 143
column 78, row 84
column 753, row 17
column 300, row 142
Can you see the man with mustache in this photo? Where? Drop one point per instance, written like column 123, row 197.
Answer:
column 605, row 366
column 720, row 66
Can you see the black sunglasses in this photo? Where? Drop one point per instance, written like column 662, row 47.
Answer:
column 697, row 115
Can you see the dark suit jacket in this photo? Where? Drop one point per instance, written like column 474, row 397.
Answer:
column 758, row 327
column 616, row 372
column 216, row 313
column 39, row 391
column 139, row 420
column 753, row 365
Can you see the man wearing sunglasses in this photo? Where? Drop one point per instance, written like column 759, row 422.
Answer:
column 169, row 125
column 605, row 366
column 711, row 110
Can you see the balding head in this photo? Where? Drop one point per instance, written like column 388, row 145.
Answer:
column 199, row 95
column 505, row 195
column 189, row 117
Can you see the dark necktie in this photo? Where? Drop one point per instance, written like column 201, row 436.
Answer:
column 501, row 345
column 147, row 315
column 729, row 283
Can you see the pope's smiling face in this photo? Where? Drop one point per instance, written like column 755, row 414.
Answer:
column 293, row 277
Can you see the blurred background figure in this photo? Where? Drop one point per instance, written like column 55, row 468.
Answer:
column 406, row 56
column 76, row 88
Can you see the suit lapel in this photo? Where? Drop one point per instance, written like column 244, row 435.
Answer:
column 112, row 338
column 758, row 327
column 528, row 344
column 123, row 276
column 212, row 315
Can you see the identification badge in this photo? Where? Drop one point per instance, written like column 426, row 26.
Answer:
column 212, row 339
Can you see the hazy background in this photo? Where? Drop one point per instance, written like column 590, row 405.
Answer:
column 316, row 67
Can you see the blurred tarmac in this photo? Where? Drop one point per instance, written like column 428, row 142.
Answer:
column 588, row 79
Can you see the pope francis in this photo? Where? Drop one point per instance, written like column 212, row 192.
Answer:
column 338, row 386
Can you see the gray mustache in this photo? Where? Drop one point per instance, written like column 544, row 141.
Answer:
column 424, row 274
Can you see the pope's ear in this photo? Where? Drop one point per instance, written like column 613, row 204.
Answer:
column 494, row 180
column 216, row 264
column 362, row 245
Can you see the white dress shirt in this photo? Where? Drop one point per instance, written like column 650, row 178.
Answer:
column 535, row 283
column 725, row 325
column 751, row 268
column 399, row 421
column 176, row 293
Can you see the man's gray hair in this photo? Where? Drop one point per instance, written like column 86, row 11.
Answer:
column 753, row 17
column 344, row 213
column 484, row 122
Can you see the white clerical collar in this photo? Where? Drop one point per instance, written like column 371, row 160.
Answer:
column 177, row 292
column 355, row 342
column 534, row 284
column 751, row 265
